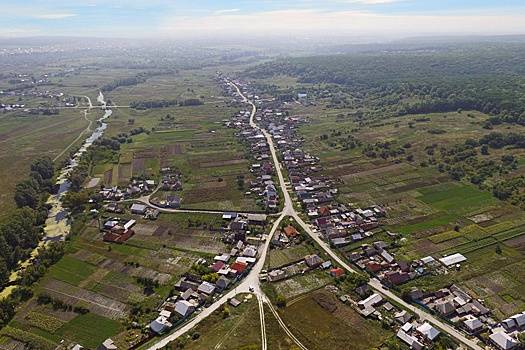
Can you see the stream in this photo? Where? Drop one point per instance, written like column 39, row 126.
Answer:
column 58, row 225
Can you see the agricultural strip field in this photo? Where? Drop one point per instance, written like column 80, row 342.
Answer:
column 191, row 140
column 433, row 214
column 104, row 279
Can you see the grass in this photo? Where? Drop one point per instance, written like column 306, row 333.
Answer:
column 71, row 270
column 318, row 328
column 301, row 284
column 90, row 330
column 238, row 330
column 281, row 257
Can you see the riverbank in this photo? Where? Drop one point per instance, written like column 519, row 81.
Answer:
column 58, row 225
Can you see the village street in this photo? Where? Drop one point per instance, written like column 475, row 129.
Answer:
column 251, row 283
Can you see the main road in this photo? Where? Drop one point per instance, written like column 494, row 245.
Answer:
column 289, row 210
column 250, row 284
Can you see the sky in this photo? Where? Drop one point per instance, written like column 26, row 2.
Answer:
column 250, row 18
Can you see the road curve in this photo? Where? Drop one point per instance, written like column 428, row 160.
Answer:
column 289, row 210
column 252, row 280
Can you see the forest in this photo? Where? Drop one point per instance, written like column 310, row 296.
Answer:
column 487, row 78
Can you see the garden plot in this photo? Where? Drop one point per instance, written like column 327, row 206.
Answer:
column 292, row 287
column 97, row 303
column 145, row 229
column 140, row 271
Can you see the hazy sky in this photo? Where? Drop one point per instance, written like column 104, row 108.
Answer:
column 180, row 18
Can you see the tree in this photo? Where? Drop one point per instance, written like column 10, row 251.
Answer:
column 43, row 166
column 75, row 201
column 26, row 195
column 280, row 301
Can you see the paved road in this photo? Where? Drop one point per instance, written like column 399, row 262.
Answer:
column 289, row 210
column 252, row 280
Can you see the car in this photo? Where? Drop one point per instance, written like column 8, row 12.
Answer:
column 251, row 288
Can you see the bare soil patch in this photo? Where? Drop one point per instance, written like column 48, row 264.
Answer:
column 145, row 229
column 222, row 163
column 108, row 177
column 138, row 166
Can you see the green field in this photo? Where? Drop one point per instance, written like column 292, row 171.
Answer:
column 342, row 328
column 90, row 329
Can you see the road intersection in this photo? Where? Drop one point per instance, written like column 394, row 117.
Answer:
column 250, row 284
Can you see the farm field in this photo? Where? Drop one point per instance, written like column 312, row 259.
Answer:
column 321, row 321
column 190, row 140
column 103, row 278
column 24, row 138
column 434, row 214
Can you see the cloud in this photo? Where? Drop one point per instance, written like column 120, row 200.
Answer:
column 221, row 12
column 342, row 23
column 54, row 15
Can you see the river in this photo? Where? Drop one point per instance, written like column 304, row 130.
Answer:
column 58, row 225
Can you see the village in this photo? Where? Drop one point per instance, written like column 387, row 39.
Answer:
column 344, row 225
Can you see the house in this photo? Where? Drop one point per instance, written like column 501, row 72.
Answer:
column 187, row 295
column 313, row 261
column 222, row 283
column 395, row 277
column 326, row 265
column 184, row 308
column 362, row 290
column 445, row 308
column 503, row 341
column 402, row 316
column 234, row 302
column 452, row 259
column 239, row 267
column 139, row 209
column 256, row 219
column 160, row 325
column 108, row 344
column 173, row 201
column 472, row 324
column 428, row 331
column 206, row 288
column 509, row 324
column 250, row 251
column 387, row 256
column 373, row 266
column 519, row 319
column 217, row 266
column 371, row 301
column 185, row 283
column 337, row 272
column 290, row 231
column 411, row 341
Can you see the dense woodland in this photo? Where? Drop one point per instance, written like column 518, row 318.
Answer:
column 488, row 78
